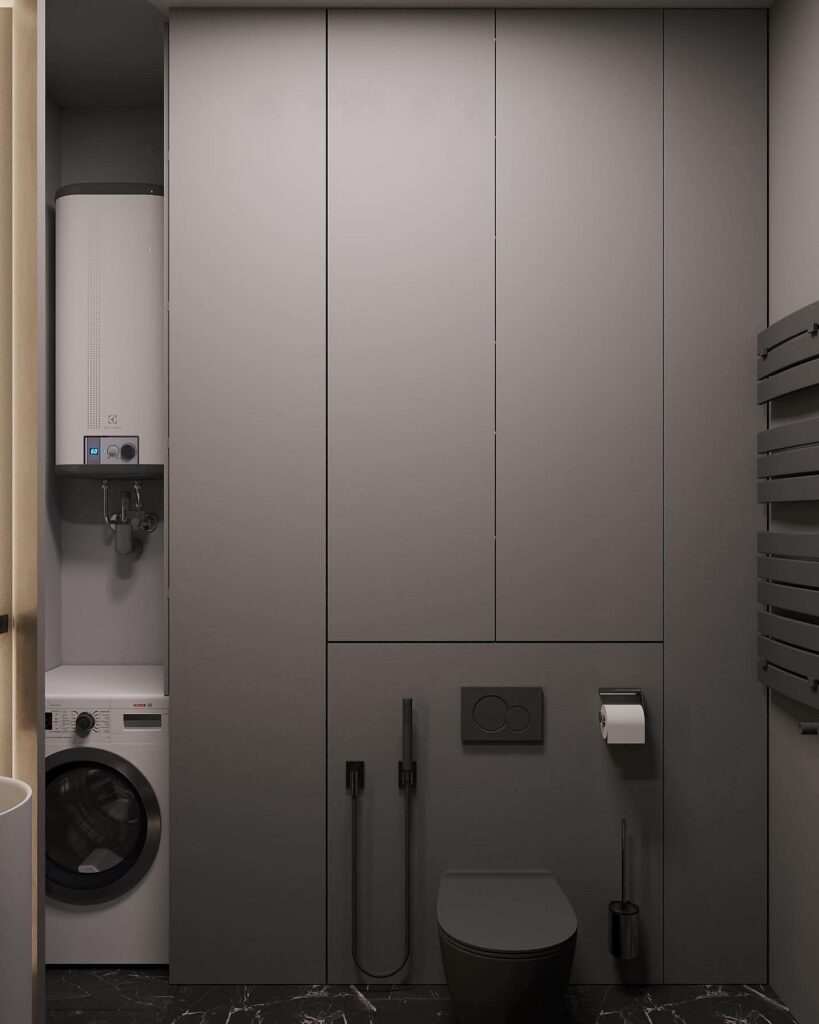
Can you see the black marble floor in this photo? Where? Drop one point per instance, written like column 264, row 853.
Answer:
column 144, row 996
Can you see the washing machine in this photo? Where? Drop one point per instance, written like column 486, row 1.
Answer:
column 106, row 811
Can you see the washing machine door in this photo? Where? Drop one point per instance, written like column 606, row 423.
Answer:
column 102, row 825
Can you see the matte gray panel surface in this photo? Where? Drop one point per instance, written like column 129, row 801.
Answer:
column 579, row 310
column 794, row 853
column 247, row 496
column 715, row 303
column 794, row 281
column 556, row 806
column 410, row 319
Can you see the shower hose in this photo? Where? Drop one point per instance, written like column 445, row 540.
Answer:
column 407, row 886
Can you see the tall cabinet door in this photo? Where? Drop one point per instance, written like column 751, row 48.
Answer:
column 247, row 495
column 579, row 325
column 410, row 324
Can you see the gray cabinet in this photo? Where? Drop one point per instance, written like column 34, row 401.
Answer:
column 715, row 303
column 579, row 325
column 247, row 494
column 410, row 324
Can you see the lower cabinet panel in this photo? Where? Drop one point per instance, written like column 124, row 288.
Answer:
column 557, row 805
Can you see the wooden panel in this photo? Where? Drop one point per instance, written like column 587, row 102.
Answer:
column 715, row 301
column 247, row 426
column 579, row 327
column 411, row 357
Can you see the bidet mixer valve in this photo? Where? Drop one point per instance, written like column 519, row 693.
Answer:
column 123, row 522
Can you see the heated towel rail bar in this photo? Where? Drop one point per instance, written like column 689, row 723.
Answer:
column 788, row 471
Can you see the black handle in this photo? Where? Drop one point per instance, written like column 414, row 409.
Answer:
column 4, row 623
column 406, row 767
column 406, row 733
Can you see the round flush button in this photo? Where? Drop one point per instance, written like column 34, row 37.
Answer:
column 113, row 451
column 518, row 718
column 490, row 713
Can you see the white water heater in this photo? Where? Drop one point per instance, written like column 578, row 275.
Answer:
column 110, row 415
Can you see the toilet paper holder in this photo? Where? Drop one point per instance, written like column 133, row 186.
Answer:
column 628, row 696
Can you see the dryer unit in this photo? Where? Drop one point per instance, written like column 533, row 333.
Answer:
column 106, row 809
column 110, row 330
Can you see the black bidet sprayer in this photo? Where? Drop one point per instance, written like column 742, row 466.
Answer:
column 407, row 776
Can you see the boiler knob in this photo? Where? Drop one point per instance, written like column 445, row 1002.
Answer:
column 85, row 722
column 127, row 451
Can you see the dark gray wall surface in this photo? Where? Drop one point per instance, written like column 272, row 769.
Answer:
column 794, row 282
column 794, row 852
column 410, row 325
column 112, row 144
column 579, row 346
column 556, row 806
column 247, row 495
column 715, row 288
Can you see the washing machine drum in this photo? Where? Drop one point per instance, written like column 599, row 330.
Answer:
column 102, row 825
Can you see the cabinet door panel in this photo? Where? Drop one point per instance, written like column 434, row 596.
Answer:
column 579, row 335
column 411, row 364
column 247, row 496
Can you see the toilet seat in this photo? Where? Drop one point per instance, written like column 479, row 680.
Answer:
column 516, row 914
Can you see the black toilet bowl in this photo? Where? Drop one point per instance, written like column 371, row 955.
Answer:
column 511, row 958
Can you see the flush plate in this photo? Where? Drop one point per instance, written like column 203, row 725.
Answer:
column 501, row 714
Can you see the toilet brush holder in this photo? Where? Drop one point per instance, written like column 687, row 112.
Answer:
column 624, row 930
column 624, row 916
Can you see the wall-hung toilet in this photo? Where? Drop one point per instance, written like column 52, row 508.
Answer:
column 507, row 944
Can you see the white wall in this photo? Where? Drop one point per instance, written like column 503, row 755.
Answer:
column 100, row 609
column 794, row 282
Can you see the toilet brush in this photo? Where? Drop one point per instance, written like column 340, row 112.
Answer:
column 624, row 916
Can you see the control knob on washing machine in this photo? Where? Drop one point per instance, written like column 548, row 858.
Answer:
column 85, row 723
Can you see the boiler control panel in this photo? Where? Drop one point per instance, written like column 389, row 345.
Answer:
column 112, row 451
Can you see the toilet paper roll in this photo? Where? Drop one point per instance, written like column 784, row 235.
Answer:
column 623, row 723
